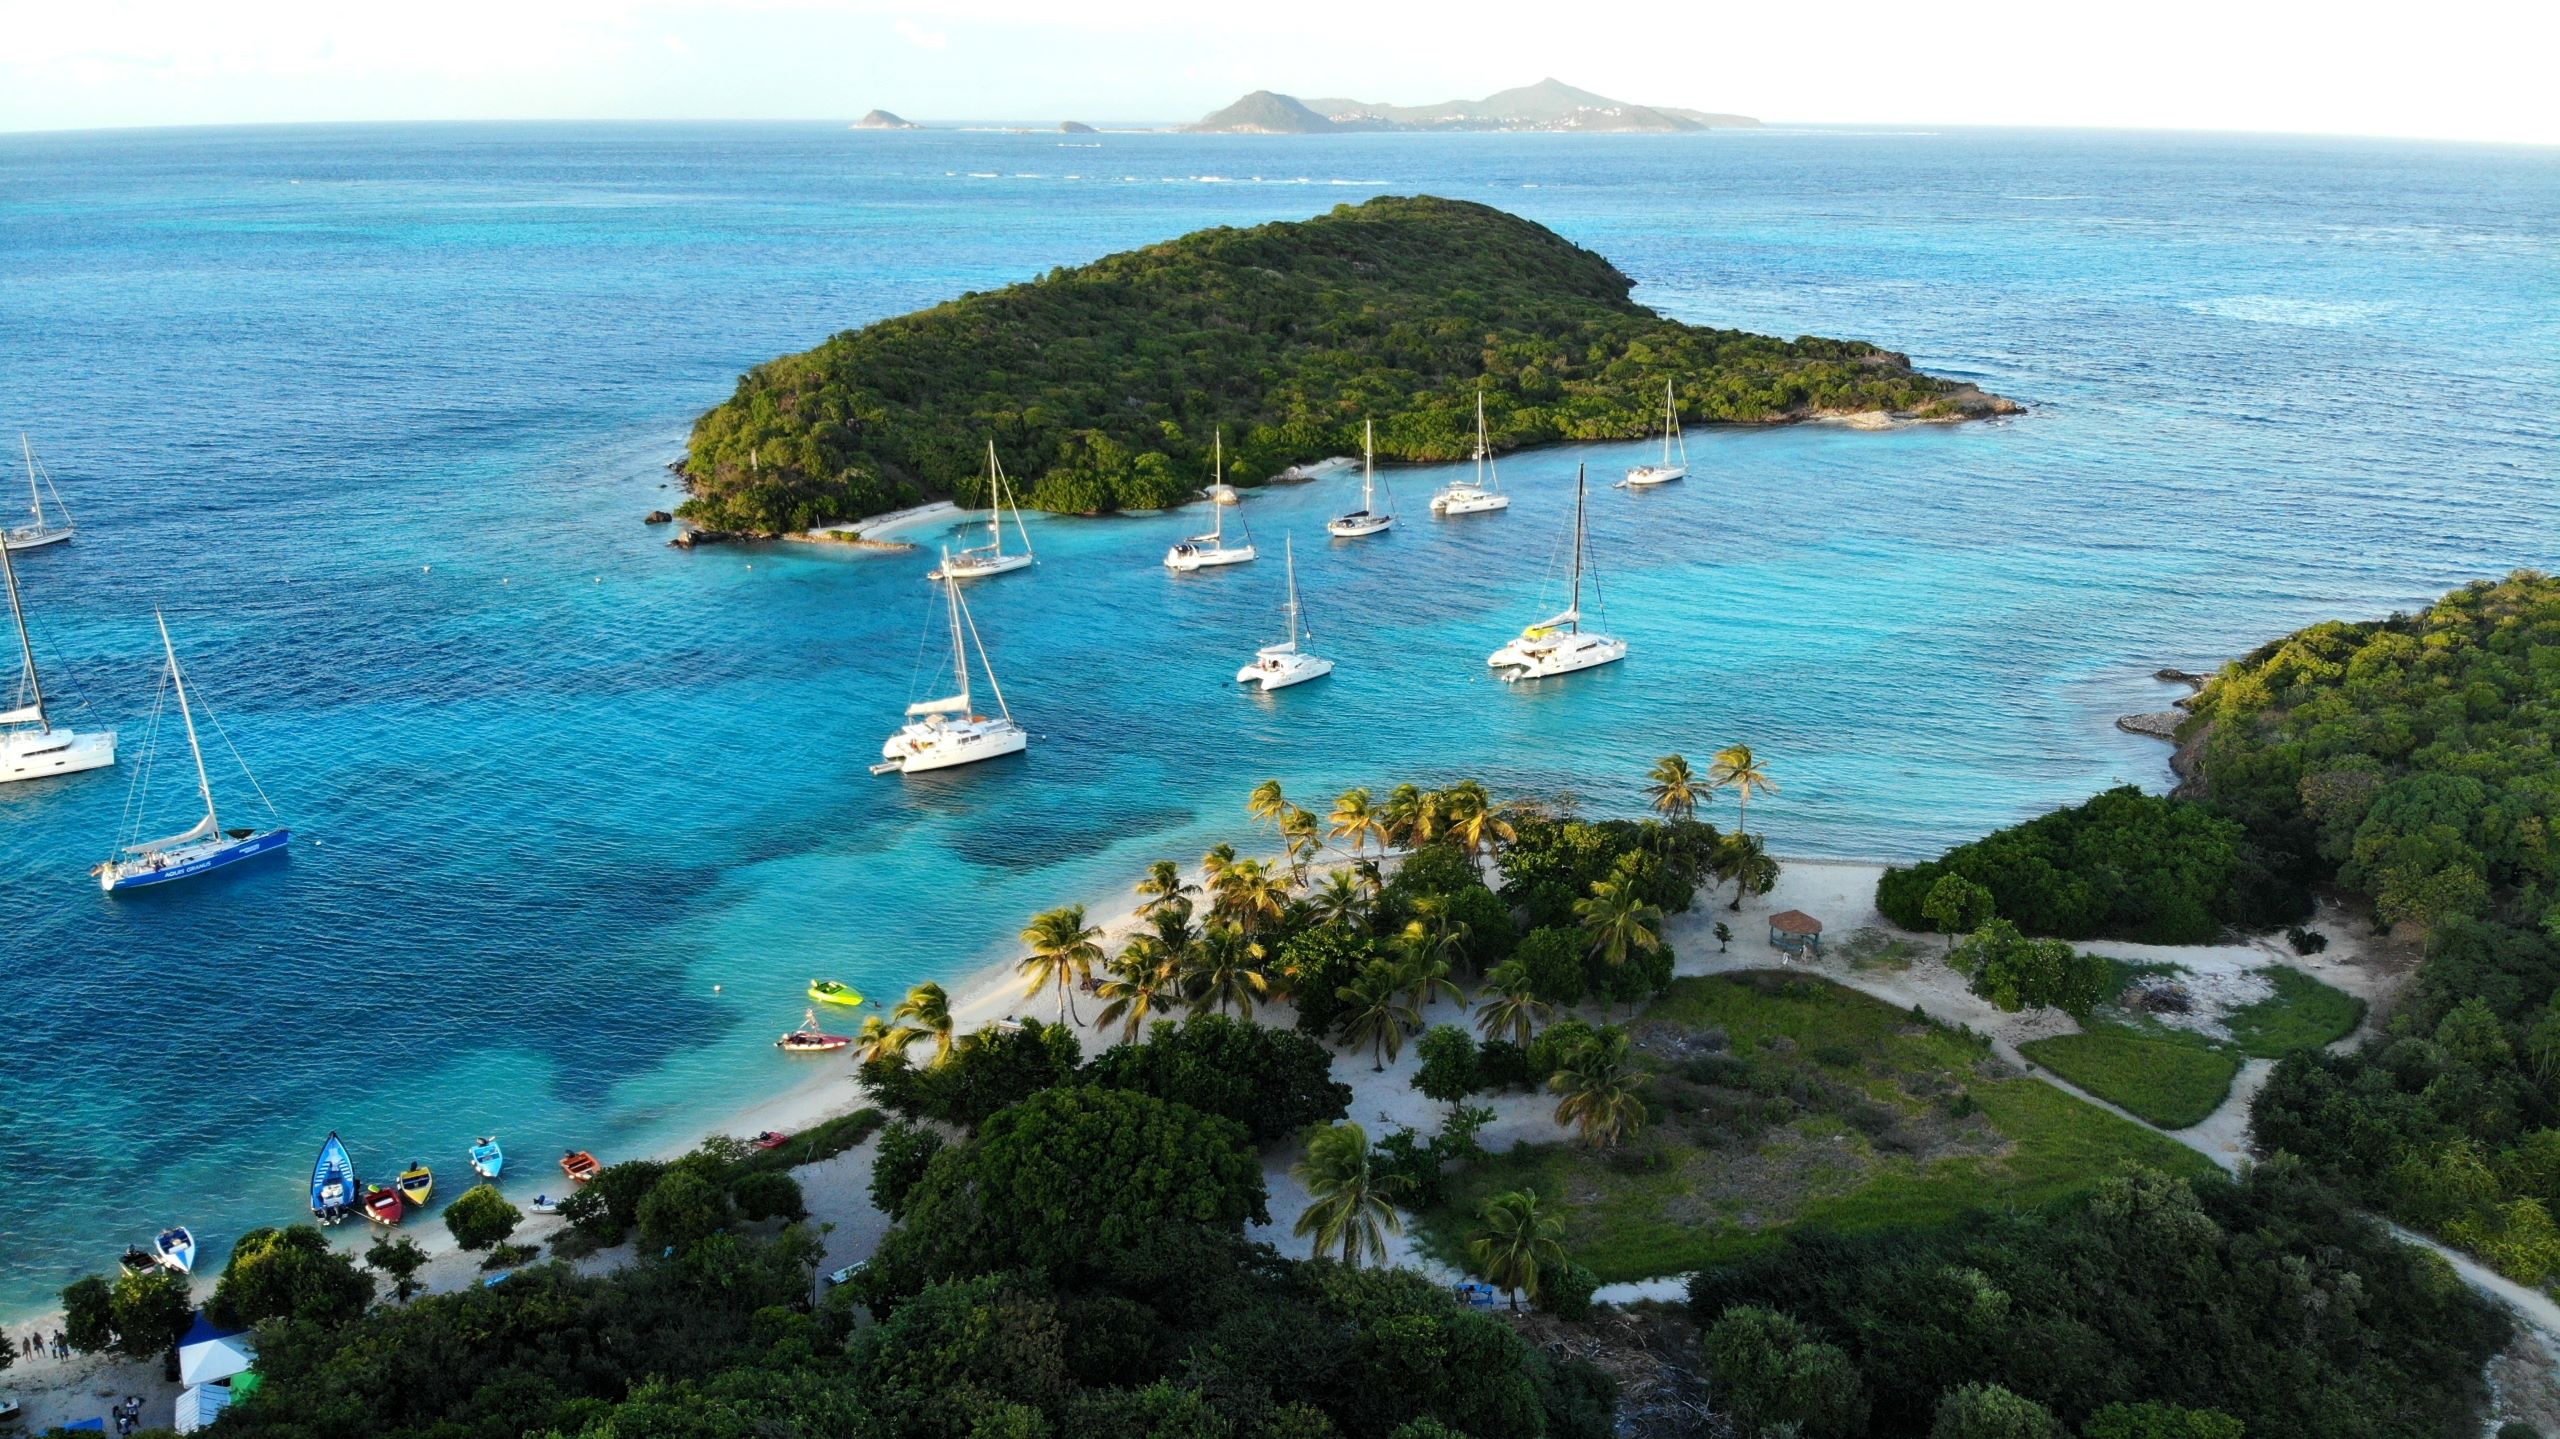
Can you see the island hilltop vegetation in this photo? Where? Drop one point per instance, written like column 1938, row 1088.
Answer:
column 1550, row 104
column 1103, row 386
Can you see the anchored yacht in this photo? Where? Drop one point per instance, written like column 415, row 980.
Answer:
column 1370, row 518
column 1286, row 663
column 1484, row 492
column 940, row 733
column 1667, row 470
column 980, row 561
column 32, row 746
column 1207, row 551
column 1558, row 644
column 42, row 529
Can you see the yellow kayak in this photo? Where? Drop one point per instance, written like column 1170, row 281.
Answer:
column 829, row 991
column 416, row 1183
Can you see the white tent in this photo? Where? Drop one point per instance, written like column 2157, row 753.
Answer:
column 218, row 1357
column 200, row 1406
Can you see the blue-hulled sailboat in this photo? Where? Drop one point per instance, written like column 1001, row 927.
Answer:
column 487, row 1159
column 333, row 1182
column 207, row 845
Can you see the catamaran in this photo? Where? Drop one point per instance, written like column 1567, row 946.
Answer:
column 32, row 745
column 40, row 530
column 1286, row 663
column 1484, row 492
column 940, row 733
column 1667, row 470
column 204, row 846
column 980, row 561
column 1201, row 552
column 1559, row 644
column 1369, row 519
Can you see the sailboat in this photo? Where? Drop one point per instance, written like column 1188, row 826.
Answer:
column 204, row 846
column 940, row 733
column 40, row 530
column 1559, row 644
column 980, row 561
column 1201, row 552
column 1484, row 492
column 333, row 1182
column 1369, row 519
column 1286, row 663
column 1666, row 471
column 31, row 745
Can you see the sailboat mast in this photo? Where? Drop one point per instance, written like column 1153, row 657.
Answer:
column 959, row 648
column 1480, row 444
column 1289, row 547
column 26, row 647
column 1666, row 424
column 992, row 682
column 995, row 500
column 204, row 784
column 1217, row 477
column 1368, row 465
column 1578, row 492
column 35, row 496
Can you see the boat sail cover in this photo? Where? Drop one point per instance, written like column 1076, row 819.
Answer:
column 951, row 705
column 333, row 1177
column 204, row 829
column 30, row 714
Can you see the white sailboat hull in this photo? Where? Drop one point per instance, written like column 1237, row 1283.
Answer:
column 942, row 744
column 1193, row 555
column 28, row 537
column 1467, row 500
column 978, row 567
column 1528, row 658
column 1643, row 475
column 1357, row 524
column 40, row 754
column 1279, row 671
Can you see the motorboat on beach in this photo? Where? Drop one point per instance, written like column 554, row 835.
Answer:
column 1201, row 552
column 1667, row 469
column 579, row 1165
column 417, row 1183
column 980, row 561
column 1371, row 518
column 175, row 1248
column 204, row 846
column 384, row 1206
column 32, row 746
column 1286, row 663
column 487, row 1159
column 1484, row 492
column 941, row 733
column 1559, row 644
column 333, row 1183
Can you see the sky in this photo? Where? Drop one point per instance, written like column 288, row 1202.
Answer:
column 2457, row 69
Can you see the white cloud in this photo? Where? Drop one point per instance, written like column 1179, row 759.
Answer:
column 918, row 36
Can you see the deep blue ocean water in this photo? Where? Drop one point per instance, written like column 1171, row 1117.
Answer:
column 374, row 413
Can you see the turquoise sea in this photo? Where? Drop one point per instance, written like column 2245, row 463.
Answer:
column 374, row 414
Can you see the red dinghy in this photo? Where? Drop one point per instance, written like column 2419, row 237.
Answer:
column 383, row 1205
column 771, row 1139
column 807, row 1040
column 579, row 1165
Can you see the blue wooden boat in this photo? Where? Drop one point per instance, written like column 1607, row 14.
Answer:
column 334, row 1194
column 487, row 1159
column 176, row 1248
column 206, row 845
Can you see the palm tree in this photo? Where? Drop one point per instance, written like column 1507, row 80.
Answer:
column 1467, row 815
column 1162, row 886
column 1745, row 860
column 1338, row 900
column 925, row 1014
column 1266, row 803
column 1062, row 948
column 1442, row 934
column 1225, row 969
column 1736, row 767
column 1305, row 836
column 877, row 1039
column 1215, row 862
column 1352, row 1212
column 1372, row 875
column 1356, row 820
column 1423, row 978
column 1674, row 790
column 1141, row 983
column 1377, row 1012
column 1617, row 918
column 1506, row 1002
column 1517, row 1244
column 1599, row 1088
column 1248, row 894
column 1411, row 817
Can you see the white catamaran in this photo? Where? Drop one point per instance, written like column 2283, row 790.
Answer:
column 1558, row 644
column 40, row 530
column 1484, row 492
column 205, row 846
column 980, row 561
column 1201, row 552
column 32, row 746
column 1370, row 518
column 1286, row 663
column 940, row 733
column 1667, row 470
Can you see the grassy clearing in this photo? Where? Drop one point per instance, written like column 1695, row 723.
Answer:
column 2167, row 1077
column 1872, row 949
column 825, row 1140
column 1780, row 1101
column 2303, row 1013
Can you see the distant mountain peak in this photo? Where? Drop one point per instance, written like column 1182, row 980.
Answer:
column 885, row 120
column 1550, row 104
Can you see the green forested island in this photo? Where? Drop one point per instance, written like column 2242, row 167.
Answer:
column 1103, row 385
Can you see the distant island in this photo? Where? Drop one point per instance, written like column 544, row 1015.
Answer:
column 883, row 120
column 1075, row 127
column 1550, row 104
column 1102, row 386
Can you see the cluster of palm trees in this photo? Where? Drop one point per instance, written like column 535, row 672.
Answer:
column 1676, row 792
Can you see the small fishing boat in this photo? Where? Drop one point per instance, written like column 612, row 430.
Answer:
column 1370, row 518
column 1667, row 470
column 579, row 1165
column 1559, row 644
column 771, row 1139
column 1286, row 663
column 41, row 530
column 808, row 1040
column 487, row 1159
column 979, row 561
column 138, row 1260
column 204, row 846
column 834, row 991
column 1202, row 552
column 1484, row 492
column 417, row 1183
column 384, row 1206
column 32, row 746
column 333, row 1182
column 941, row 733
column 175, row 1248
